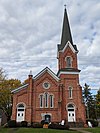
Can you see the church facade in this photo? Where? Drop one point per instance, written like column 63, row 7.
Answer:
column 55, row 96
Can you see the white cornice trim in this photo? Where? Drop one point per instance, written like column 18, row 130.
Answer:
column 49, row 71
column 70, row 45
column 62, row 72
column 20, row 88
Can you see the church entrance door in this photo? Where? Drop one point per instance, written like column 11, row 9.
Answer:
column 20, row 113
column 47, row 118
column 71, row 113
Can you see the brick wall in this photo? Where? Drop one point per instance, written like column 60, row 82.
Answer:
column 30, row 95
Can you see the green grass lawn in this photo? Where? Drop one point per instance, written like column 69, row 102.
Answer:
column 3, row 130
column 93, row 130
column 34, row 130
column 41, row 130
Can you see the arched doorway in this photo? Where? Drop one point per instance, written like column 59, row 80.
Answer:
column 71, row 113
column 20, row 112
column 47, row 118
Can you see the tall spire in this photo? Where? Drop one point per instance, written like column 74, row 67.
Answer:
column 66, row 32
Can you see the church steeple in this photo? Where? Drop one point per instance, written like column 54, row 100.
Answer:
column 66, row 33
column 67, row 51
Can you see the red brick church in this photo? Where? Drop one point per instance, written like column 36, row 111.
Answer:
column 53, row 96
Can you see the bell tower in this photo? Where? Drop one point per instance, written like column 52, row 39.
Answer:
column 68, row 72
column 67, row 51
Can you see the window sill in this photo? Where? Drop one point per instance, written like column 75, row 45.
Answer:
column 70, row 98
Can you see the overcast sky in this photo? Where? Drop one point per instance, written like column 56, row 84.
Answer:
column 31, row 29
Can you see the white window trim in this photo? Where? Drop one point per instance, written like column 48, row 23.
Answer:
column 45, row 99
column 72, row 104
column 42, row 100
column 48, row 85
column 70, row 92
column 21, row 103
column 71, row 112
column 66, row 61
column 52, row 100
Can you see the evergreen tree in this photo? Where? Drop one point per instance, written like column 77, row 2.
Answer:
column 89, row 101
column 98, row 104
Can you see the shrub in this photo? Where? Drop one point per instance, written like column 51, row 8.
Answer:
column 29, row 124
column 5, row 125
column 46, row 122
column 18, row 124
column 12, row 123
column 93, row 122
column 57, row 126
column 24, row 124
column 37, row 125
column 43, row 122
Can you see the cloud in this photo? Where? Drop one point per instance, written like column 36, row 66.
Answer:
column 30, row 31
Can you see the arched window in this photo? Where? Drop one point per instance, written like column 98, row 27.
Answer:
column 46, row 100
column 41, row 101
column 70, row 92
column 20, row 107
column 70, row 106
column 69, row 62
column 51, row 101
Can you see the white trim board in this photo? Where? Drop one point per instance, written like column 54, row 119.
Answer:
column 20, row 88
column 49, row 71
column 70, row 45
column 67, row 73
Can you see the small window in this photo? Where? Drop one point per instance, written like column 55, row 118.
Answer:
column 46, row 85
column 70, row 106
column 20, row 106
column 69, row 62
column 70, row 109
column 51, row 101
column 20, row 109
column 70, row 92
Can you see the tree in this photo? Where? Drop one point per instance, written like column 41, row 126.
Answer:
column 2, row 76
column 89, row 101
column 98, row 104
column 6, row 85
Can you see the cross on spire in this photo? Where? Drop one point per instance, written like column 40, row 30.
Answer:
column 65, row 6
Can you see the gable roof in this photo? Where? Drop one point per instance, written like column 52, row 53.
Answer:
column 19, row 88
column 73, row 47
column 48, row 70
